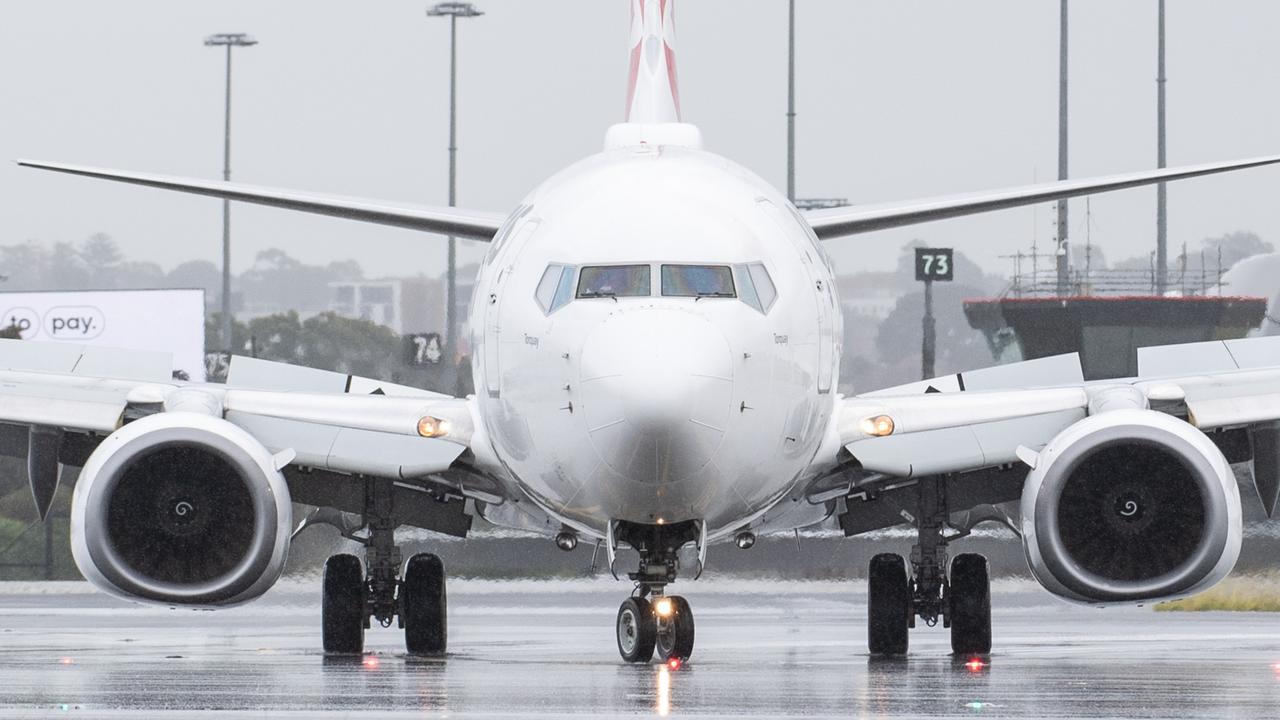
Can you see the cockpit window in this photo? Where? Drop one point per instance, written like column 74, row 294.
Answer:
column 614, row 281
column 697, row 281
column 555, row 289
column 755, row 286
column 546, row 291
column 764, row 285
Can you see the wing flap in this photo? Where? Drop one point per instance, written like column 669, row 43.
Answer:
column 1216, row 412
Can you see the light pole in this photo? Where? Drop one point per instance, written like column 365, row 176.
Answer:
column 452, row 10
column 227, row 40
column 1064, row 260
column 1162, row 197
column 791, row 100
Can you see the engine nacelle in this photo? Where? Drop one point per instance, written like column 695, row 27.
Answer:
column 1130, row 506
column 181, row 509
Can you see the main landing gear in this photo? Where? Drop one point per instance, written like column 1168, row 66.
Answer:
column 962, row 601
column 651, row 621
column 355, row 595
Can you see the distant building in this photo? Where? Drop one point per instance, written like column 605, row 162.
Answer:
column 871, row 295
column 406, row 305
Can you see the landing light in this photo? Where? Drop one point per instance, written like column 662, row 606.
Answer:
column 662, row 607
column 433, row 427
column 878, row 426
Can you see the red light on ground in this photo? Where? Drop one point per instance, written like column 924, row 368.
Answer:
column 370, row 662
column 674, row 663
column 66, row 661
column 975, row 665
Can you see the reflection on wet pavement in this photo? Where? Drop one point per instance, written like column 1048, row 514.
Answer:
column 547, row 649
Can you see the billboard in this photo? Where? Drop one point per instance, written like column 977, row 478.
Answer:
column 170, row 321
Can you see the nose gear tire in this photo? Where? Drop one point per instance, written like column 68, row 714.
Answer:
column 424, row 606
column 888, row 605
column 675, row 633
column 342, row 605
column 637, row 631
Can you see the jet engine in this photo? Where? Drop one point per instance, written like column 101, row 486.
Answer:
column 182, row 509
column 1129, row 506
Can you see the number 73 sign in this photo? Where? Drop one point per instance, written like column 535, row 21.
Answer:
column 934, row 264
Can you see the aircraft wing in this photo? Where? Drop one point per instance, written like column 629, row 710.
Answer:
column 321, row 424
column 470, row 224
column 838, row 222
column 969, row 422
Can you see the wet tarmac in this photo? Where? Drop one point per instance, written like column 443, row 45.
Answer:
column 546, row 649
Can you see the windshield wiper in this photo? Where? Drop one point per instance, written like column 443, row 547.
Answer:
column 598, row 294
column 712, row 295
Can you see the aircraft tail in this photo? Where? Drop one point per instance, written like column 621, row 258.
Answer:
column 653, row 95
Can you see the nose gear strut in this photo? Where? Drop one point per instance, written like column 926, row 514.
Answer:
column 650, row 619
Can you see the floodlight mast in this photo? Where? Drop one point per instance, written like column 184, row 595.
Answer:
column 453, row 10
column 227, row 40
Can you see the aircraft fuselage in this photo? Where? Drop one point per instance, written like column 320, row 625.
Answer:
column 663, row 403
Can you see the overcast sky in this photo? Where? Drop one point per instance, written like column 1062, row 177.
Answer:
column 896, row 100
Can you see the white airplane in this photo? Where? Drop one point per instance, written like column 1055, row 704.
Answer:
column 656, row 340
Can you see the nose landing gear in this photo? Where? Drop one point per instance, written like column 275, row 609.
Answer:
column 651, row 621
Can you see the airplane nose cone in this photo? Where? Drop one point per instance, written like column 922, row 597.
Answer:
column 656, row 389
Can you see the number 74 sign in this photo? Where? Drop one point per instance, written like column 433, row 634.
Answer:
column 934, row 264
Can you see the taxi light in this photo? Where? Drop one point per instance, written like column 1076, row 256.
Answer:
column 663, row 607
column 878, row 426
column 433, row 427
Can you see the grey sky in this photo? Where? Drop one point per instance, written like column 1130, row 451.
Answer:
column 897, row 100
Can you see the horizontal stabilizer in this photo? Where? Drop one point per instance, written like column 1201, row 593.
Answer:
column 247, row 373
column 1213, row 356
column 851, row 220
column 85, row 360
column 469, row 224
column 1052, row 371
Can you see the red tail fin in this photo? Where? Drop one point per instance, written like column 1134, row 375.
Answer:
column 653, row 95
